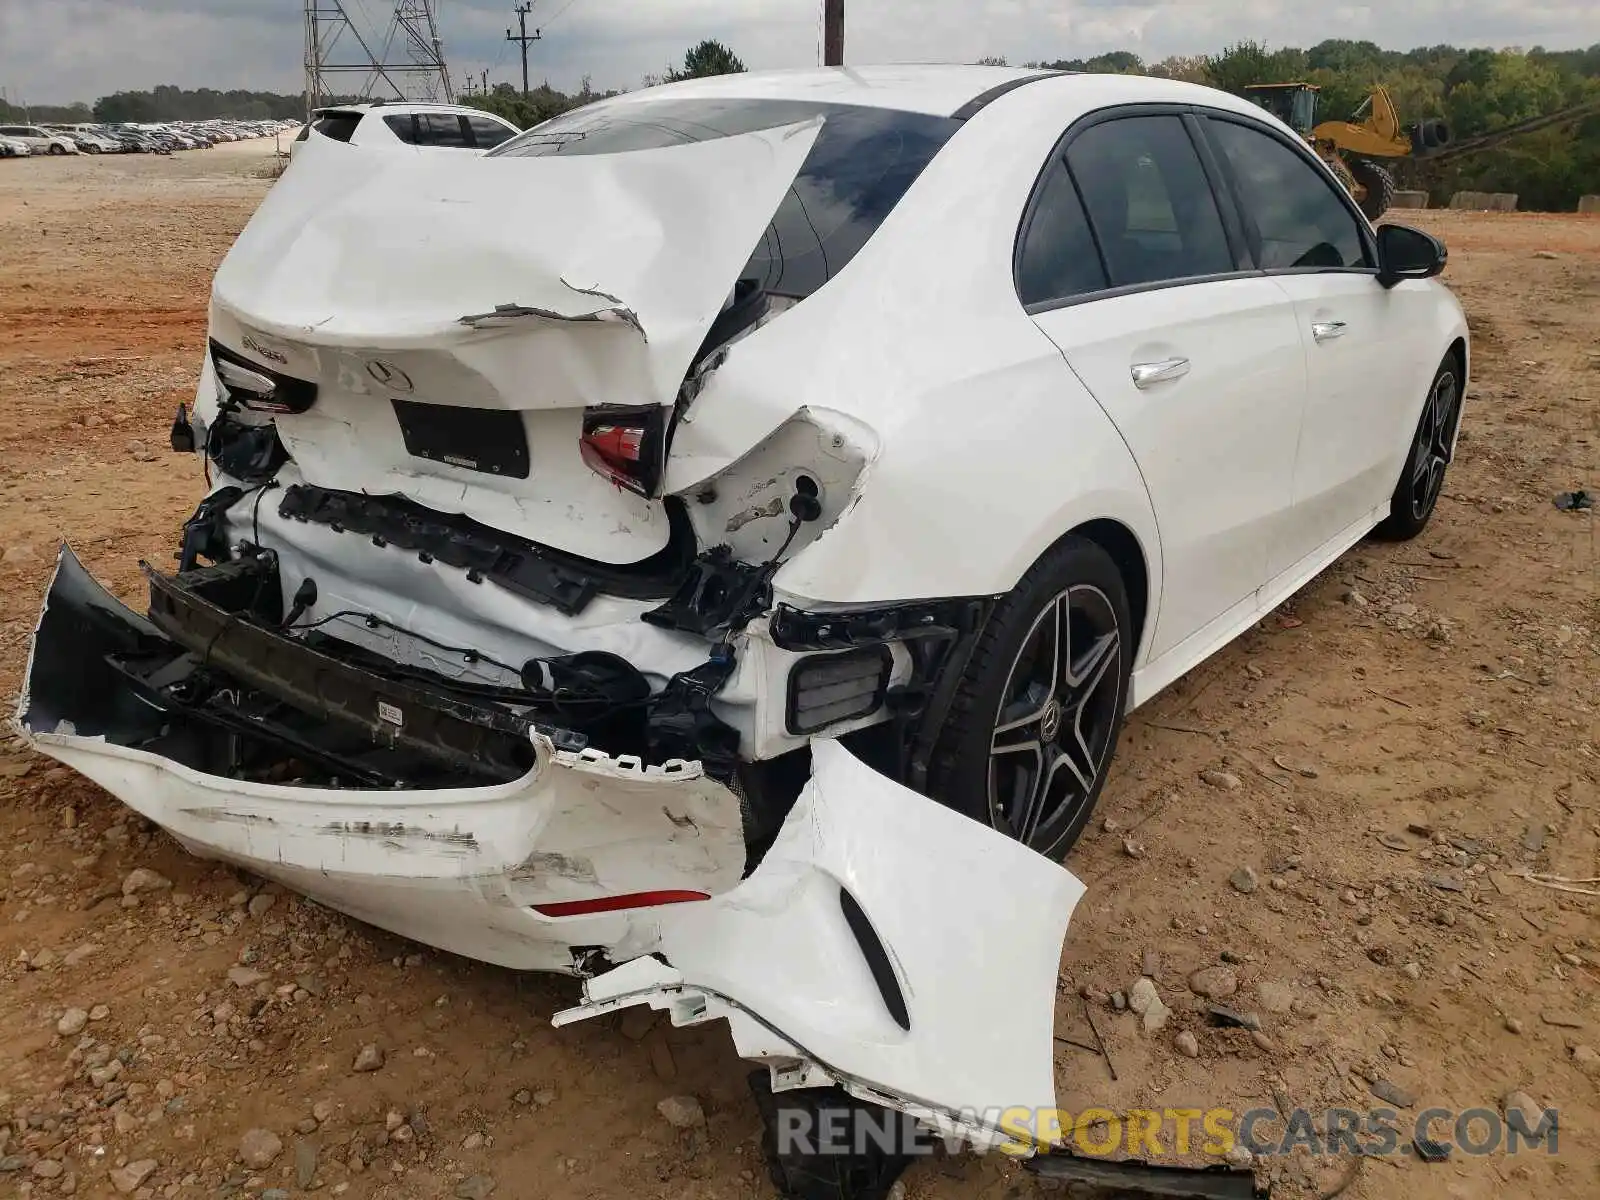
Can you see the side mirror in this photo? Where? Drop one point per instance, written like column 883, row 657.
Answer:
column 1407, row 253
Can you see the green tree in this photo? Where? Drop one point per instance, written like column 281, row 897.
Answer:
column 1190, row 68
column 1245, row 63
column 538, row 106
column 708, row 58
column 1117, row 62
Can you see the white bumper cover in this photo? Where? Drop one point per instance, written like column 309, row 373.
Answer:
column 883, row 943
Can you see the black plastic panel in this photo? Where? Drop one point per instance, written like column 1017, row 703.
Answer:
column 538, row 572
column 491, row 440
column 475, row 739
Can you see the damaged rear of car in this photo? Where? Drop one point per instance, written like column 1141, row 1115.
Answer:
column 475, row 635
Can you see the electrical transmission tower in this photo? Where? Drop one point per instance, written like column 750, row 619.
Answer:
column 407, row 62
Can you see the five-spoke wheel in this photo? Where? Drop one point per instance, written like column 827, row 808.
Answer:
column 1034, row 722
column 1055, row 717
column 1432, row 447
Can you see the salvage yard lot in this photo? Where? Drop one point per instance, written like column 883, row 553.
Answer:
column 1332, row 818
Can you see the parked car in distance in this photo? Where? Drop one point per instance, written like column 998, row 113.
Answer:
column 709, row 544
column 39, row 139
column 422, row 127
column 95, row 143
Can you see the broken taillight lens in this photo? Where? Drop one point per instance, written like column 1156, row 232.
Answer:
column 259, row 388
column 625, row 445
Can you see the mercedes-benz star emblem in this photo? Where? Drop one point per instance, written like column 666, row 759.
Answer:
column 1050, row 726
column 387, row 375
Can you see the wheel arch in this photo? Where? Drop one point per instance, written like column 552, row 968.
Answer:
column 1458, row 351
column 1123, row 547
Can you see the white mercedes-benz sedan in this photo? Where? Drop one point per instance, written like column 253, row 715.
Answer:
column 708, row 544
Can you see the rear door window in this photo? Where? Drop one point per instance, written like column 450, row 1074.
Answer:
column 1057, row 259
column 487, row 134
column 443, row 129
column 403, row 126
column 1149, row 201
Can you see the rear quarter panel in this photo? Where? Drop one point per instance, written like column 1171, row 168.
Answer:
column 990, row 447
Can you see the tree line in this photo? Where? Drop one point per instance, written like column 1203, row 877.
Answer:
column 709, row 57
column 1475, row 91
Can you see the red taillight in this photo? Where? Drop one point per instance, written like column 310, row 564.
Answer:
column 624, row 445
column 604, row 904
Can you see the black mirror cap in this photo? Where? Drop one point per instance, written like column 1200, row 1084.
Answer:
column 1407, row 253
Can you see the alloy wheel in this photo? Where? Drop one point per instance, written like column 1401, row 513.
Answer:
column 1435, row 440
column 1057, row 719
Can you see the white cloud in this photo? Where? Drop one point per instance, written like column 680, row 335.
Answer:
column 53, row 51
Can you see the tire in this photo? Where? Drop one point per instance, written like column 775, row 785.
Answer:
column 94, row 149
column 1341, row 172
column 1379, row 184
column 1416, row 494
column 54, row 149
column 1007, row 731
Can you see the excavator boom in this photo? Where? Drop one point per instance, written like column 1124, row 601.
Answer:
column 1378, row 135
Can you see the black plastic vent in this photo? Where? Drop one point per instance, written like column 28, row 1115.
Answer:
column 826, row 689
column 877, row 957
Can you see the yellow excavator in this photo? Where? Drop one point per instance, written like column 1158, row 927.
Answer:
column 1351, row 147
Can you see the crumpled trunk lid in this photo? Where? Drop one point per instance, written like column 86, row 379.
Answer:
column 457, row 315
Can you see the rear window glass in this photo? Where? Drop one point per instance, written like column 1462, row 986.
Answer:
column 341, row 127
column 863, row 162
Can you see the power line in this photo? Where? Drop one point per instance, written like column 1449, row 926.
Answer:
column 420, row 72
column 559, row 11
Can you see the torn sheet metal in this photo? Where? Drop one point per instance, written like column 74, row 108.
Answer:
column 857, row 953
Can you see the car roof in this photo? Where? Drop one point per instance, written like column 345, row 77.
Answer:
column 940, row 89
column 944, row 90
column 402, row 108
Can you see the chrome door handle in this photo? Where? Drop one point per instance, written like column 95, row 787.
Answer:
column 1147, row 374
column 1326, row 331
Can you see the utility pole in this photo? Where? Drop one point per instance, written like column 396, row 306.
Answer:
column 522, row 38
column 833, row 33
column 486, row 81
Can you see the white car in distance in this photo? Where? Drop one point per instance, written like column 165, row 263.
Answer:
column 708, row 545
column 39, row 140
column 398, row 126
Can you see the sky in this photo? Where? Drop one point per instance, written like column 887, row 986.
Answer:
column 57, row 51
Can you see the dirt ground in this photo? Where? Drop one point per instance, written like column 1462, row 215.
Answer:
column 1387, row 755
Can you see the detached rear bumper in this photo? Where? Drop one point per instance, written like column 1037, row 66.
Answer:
column 883, row 943
column 465, row 869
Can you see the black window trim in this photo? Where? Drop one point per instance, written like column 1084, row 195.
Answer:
column 983, row 99
column 1369, row 241
column 1221, row 193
